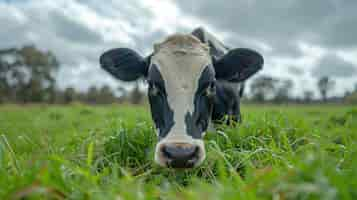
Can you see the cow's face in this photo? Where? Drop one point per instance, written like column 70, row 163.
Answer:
column 181, row 79
column 181, row 82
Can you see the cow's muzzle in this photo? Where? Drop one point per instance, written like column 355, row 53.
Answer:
column 180, row 155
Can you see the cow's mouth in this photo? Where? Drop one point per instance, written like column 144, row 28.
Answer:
column 179, row 155
column 181, row 164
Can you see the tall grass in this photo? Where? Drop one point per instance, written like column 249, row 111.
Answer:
column 82, row 152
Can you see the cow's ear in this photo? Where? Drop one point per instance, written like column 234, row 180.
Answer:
column 124, row 64
column 238, row 65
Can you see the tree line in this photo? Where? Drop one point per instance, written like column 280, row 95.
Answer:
column 274, row 90
column 27, row 75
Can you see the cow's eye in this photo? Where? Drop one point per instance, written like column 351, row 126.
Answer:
column 153, row 90
column 210, row 90
column 156, row 90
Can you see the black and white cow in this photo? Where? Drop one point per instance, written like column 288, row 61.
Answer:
column 193, row 79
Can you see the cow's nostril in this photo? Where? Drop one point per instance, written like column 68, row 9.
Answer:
column 181, row 155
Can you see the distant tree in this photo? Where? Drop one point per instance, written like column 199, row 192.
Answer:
column 283, row 90
column 92, row 95
column 10, row 76
column 263, row 87
column 122, row 91
column 27, row 74
column 325, row 84
column 136, row 96
column 123, row 94
column 106, row 95
column 69, row 95
column 350, row 97
column 4, row 86
column 308, row 95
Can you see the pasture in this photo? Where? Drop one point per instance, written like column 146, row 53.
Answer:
column 106, row 152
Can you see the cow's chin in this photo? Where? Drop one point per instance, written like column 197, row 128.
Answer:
column 163, row 159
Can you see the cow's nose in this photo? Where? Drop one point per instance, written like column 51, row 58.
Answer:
column 180, row 155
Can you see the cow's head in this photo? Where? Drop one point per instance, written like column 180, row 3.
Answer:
column 181, row 76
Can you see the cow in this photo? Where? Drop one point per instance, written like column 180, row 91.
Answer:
column 193, row 80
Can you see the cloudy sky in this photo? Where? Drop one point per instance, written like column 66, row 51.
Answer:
column 300, row 39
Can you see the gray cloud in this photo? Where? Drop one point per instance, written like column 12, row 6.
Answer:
column 284, row 26
column 145, row 44
column 281, row 24
column 295, row 70
column 65, row 26
column 78, row 31
column 333, row 66
column 49, row 28
column 341, row 32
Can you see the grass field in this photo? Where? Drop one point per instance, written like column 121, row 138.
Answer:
column 106, row 152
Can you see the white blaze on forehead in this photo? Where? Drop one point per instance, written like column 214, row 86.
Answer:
column 181, row 59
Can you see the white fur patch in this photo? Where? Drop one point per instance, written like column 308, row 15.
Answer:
column 181, row 72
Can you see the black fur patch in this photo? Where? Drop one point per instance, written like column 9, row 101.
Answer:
column 124, row 64
column 238, row 65
column 197, row 122
column 161, row 112
column 226, row 104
